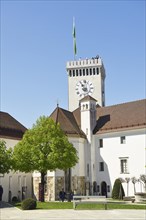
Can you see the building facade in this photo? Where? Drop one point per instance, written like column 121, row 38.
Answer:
column 110, row 140
column 15, row 184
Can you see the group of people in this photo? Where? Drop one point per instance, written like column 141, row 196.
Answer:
column 63, row 195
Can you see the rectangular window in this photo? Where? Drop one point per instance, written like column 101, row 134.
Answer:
column 100, row 143
column 93, row 71
column 108, row 188
column 123, row 140
column 90, row 71
column 101, row 166
column 88, row 170
column 19, row 183
column 83, row 72
column 87, row 72
column 124, row 165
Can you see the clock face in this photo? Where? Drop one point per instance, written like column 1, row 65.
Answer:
column 84, row 88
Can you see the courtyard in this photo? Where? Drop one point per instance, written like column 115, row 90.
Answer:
column 8, row 212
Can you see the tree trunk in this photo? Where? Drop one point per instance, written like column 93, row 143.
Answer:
column 41, row 188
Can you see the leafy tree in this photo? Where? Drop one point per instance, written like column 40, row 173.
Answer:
column 5, row 158
column 44, row 147
column 118, row 191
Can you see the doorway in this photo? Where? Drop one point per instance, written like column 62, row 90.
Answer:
column 104, row 189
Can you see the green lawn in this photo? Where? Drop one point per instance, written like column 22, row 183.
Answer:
column 85, row 206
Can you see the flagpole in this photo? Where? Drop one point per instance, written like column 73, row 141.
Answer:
column 74, row 39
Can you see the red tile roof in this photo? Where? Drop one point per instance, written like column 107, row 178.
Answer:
column 10, row 127
column 124, row 116
column 131, row 115
column 67, row 122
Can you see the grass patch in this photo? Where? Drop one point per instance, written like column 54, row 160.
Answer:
column 54, row 205
column 84, row 206
column 109, row 206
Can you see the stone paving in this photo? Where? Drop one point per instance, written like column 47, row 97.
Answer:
column 8, row 212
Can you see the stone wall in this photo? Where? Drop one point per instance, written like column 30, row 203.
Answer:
column 78, row 185
column 52, row 191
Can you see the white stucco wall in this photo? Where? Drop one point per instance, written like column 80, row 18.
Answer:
column 133, row 149
column 13, row 182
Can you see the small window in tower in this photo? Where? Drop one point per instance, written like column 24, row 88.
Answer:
column 83, row 72
column 86, row 106
column 108, row 188
column 73, row 73
column 97, row 71
column 101, row 166
column 80, row 72
column 123, row 140
column 70, row 73
column 83, row 107
column 87, row 72
column 90, row 71
column 76, row 72
column 93, row 71
column 100, row 143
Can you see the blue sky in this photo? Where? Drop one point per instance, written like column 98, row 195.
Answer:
column 36, row 43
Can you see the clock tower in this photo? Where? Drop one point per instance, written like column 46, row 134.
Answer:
column 85, row 77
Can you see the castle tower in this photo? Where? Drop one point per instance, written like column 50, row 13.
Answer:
column 85, row 77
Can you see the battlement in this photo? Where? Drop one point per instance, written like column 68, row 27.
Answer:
column 93, row 62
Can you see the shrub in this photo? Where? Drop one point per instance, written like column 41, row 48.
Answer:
column 14, row 199
column 118, row 191
column 28, row 204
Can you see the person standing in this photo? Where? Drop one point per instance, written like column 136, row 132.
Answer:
column 1, row 192
column 62, row 195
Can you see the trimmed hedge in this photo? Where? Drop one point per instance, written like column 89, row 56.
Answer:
column 29, row 204
column 118, row 191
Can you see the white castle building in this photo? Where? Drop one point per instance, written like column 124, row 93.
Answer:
column 110, row 140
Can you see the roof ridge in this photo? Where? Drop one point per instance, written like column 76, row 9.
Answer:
column 123, row 103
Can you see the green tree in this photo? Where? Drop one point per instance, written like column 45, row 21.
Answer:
column 118, row 191
column 5, row 158
column 44, row 147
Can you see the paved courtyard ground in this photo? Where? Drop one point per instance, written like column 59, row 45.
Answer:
column 11, row 213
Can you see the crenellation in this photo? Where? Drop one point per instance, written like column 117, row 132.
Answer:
column 93, row 62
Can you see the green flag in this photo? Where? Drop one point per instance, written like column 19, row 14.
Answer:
column 74, row 38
